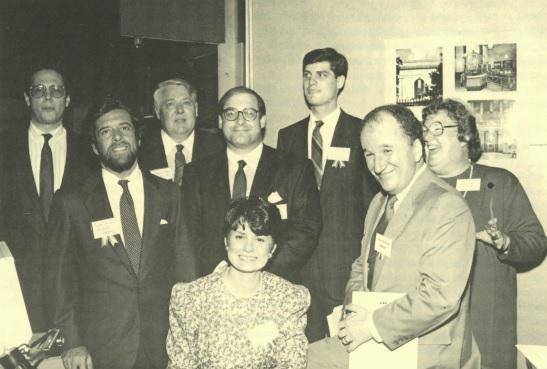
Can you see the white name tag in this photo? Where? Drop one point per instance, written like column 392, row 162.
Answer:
column 274, row 198
column 282, row 210
column 472, row 184
column 164, row 173
column 383, row 245
column 105, row 228
column 338, row 153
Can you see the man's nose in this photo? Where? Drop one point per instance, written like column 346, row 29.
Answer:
column 180, row 108
column 379, row 164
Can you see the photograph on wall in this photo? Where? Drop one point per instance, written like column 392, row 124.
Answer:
column 485, row 67
column 418, row 75
column 496, row 127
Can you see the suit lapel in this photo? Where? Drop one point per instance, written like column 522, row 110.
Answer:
column 375, row 211
column 340, row 138
column 151, row 223
column 99, row 209
column 300, row 138
column 265, row 173
column 218, row 178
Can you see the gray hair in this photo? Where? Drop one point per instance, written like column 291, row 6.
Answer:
column 173, row 82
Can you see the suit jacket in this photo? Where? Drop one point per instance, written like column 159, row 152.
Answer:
column 433, row 240
column 152, row 152
column 25, row 223
column 95, row 296
column 345, row 194
column 206, row 198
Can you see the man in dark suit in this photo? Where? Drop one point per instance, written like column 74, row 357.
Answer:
column 165, row 151
column 248, row 167
column 111, row 255
column 330, row 138
column 44, row 156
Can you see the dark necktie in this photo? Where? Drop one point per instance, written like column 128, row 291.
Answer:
column 240, row 182
column 180, row 161
column 317, row 152
column 380, row 228
column 46, row 176
column 130, row 226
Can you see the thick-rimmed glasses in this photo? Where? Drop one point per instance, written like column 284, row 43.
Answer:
column 38, row 91
column 436, row 128
column 231, row 114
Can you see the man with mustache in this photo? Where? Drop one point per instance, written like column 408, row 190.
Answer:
column 39, row 159
column 112, row 255
column 165, row 152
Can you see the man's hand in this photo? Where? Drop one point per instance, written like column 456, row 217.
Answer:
column 496, row 239
column 353, row 329
column 77, row 358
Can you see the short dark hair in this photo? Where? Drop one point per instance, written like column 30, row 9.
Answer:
column 55, row 67
column 262, row 216
column 338, row 62
column 409, row 123
column 467, row 124
column 106, row 105
column 241, row 90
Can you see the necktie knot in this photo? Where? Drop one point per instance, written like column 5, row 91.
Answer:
column 180, row 148
column 47, row 137
column 124, row 184
column 241, row 164
column 318, row 124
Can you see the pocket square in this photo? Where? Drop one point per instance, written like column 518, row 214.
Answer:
column 163, row 221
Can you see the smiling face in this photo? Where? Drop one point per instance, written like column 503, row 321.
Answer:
column 116, row 140
column 177, row 111
column 47, row 110
column 241, row 134
column 390, row 157
column 321, row 85
column 247, row 251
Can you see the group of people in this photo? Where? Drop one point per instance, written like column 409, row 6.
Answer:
column 184, row 248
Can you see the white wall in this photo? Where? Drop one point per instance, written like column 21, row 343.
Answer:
column 284, row 30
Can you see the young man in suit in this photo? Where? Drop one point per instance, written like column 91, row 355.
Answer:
column 248, row 167
column 515, row 238
column 419, row 242
column 39, row 159
column 330, row 138
column 165, row 151
column 112, row 252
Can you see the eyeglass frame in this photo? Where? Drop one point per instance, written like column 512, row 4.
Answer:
column 428, row 129
column 45, row 89
column 240, row 112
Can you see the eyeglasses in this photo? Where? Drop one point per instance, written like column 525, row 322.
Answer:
column 249, row 114
column 436, row 128
column 38, row 91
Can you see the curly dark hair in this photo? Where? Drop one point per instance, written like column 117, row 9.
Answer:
column 263, row 217
column 467, row 124
column 106, row 105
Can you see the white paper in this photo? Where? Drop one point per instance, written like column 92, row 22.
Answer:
column 106, row 227
column 338, row 153
column 274, row 198
column 535, row 354
column 15, row 326
column 404, row 357
column 473, row 184
column 282, row 210
column 164, row 173
column 383, row 245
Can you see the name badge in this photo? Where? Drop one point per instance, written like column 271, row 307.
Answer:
column 105, row 228
column 338, row 153
column 164, row 173
column 471, row 184
column 383, row 245
column 274, row 198
column 282, row 210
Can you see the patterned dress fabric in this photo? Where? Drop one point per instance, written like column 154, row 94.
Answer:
column 211, row 328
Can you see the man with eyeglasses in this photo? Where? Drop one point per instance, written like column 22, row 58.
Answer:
column 249, row 168
column 509, row 233
column 44, row 157
column 165, row 152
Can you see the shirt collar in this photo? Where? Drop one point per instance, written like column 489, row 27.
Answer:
column 251, row 158
column 328, row 120
column 401, row 195
column 170, row 145
column 36, row 133
column 111, row 180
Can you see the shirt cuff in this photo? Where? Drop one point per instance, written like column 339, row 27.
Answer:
column 372, row 328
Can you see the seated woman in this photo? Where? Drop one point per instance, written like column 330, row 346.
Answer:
column 240, row 316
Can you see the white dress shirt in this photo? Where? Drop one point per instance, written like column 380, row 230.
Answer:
column 251, row 160
column 326, row 130
column 57, row 143
column 170, row 149
column 115, row 191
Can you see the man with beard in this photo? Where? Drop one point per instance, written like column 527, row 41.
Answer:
column 112, row 254
column 166, row 151
column 44, row 156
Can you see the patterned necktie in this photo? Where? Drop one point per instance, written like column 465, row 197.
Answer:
column 130, row 226
column 380, row 228
column 317, row 152
column 240, row 182
column 180, row 161
column 46, row 176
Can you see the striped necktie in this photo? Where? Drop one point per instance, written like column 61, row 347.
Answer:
column 240, row 182
column 130, row 226
column 46, row 176
column 180, row 161
column 317, row 152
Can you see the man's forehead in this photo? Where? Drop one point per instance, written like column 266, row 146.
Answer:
column 116, row 116
column 319, row 66
column 47, row 76
column 439, row 116
column 174, row 91
column 242, row 99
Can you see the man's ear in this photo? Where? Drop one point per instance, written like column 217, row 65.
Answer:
column 225, row 243
column 67, row 101
column 27, row 99
column 94, row 147
column 417, row 150
column 263, row 121
column 156, row 111
column 196, row 108
column 340, row 82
